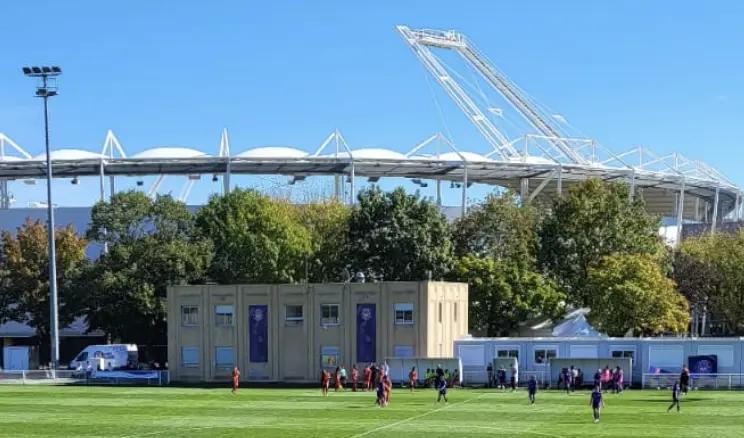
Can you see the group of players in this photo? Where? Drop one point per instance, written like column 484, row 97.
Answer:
column 378, row 377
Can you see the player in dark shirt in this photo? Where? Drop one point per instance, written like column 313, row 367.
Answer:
column 684, row 380
column 532, row 389
column 596, row 403
column 441, row 389
column 675, row 396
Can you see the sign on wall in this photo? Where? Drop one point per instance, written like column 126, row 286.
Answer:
column 258, row 333
column 366, row 333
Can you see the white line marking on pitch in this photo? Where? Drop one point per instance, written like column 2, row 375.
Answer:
column 415, row 417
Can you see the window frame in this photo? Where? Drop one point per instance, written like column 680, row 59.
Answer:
column 624, row 349
column 191, row 364
column 218, row 316
column 403, row 321
column 294, row 320
column 508, row 349
column 544, row 349
column 185, row 323
column 223, row 366
column 326, row 322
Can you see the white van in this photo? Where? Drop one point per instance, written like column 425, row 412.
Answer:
column 113, row 356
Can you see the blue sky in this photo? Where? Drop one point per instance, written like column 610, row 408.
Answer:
column 664, row 74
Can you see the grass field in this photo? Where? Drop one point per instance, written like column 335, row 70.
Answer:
column 68, row 411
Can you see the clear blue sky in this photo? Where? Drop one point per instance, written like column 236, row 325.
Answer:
column 665, row 74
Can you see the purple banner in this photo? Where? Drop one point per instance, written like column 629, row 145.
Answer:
column 366, row 333
column 258, row 333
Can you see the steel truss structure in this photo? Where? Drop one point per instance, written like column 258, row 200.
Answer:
column 539, row 164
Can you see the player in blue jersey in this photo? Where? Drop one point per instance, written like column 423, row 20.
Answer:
column 532, row 389
column 676, row 393
column 442, row 389
column 596, row 403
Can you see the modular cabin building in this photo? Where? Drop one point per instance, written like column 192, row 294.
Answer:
column 649, row 355
column 290, row 332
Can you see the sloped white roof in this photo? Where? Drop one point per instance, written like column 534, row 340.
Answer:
column 576, row 326
column 69, row 154
column 370, row 154
column 170, row 152
column 273, row 152
column 470, row 157
column 8, row 158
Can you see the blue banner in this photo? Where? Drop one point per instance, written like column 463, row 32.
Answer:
column 703, row 364
column 366, row 333
column 258, row 333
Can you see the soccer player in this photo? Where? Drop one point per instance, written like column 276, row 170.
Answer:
column 368, row 377
column 235, row 379
column 532, row 389
column 325, row 379
column 514, row 378
column 567, row 379
column 489, row 371
column 412, row 377
column 380, row 393
column 684, row 380
column 675, row 396
column 388, row 387
column 441, row 389
column 337, row 379
column 596, row 403
column 354, row 377
column 619, row 380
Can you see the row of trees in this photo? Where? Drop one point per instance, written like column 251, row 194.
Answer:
column 595, row 247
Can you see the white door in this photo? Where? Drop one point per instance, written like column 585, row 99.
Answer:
column 583, row 352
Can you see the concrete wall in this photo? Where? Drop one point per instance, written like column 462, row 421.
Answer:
column 295, row 347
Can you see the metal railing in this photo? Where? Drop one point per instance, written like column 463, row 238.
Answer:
column 697, row 381
column 67, row 377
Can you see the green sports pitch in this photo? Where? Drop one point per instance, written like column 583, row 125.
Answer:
column 79, row 411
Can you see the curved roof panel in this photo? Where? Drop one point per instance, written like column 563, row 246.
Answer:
column 470, row 157
column 273, row 152
column 8, row 158
column 69, row 154
column 169, row 152
column 369, row 154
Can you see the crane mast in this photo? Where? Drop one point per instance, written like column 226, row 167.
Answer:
column 421, row 39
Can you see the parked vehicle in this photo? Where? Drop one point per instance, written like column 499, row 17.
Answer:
column 107, row 357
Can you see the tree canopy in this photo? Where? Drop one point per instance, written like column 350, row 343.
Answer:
column 630, row 293
column 24, row 264
column 594, row 220
column 151, row 245
column 328, row 226
column 256, row 239
column 709, row 272
column 398, row 236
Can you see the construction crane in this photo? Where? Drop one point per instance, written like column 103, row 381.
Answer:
column 421, row 40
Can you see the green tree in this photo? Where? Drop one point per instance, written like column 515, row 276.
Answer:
column 502, row 295
column 594, row 220
column 151, row 245
column 328, row 227
column 25, row 263
column 709, row 272
column 397, row 236
column 256, row 239
column 630, row 293
column 499, row 227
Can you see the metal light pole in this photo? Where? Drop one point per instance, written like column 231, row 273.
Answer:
column 45, row 91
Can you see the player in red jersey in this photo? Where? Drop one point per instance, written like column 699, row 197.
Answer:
column 354, row 377
column 325, row 379
column 367, row 378
column 388, row 388
column 235, row 379
column 412, row 377
column 337, row 379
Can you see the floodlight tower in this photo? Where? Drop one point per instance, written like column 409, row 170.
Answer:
column 45, row 90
